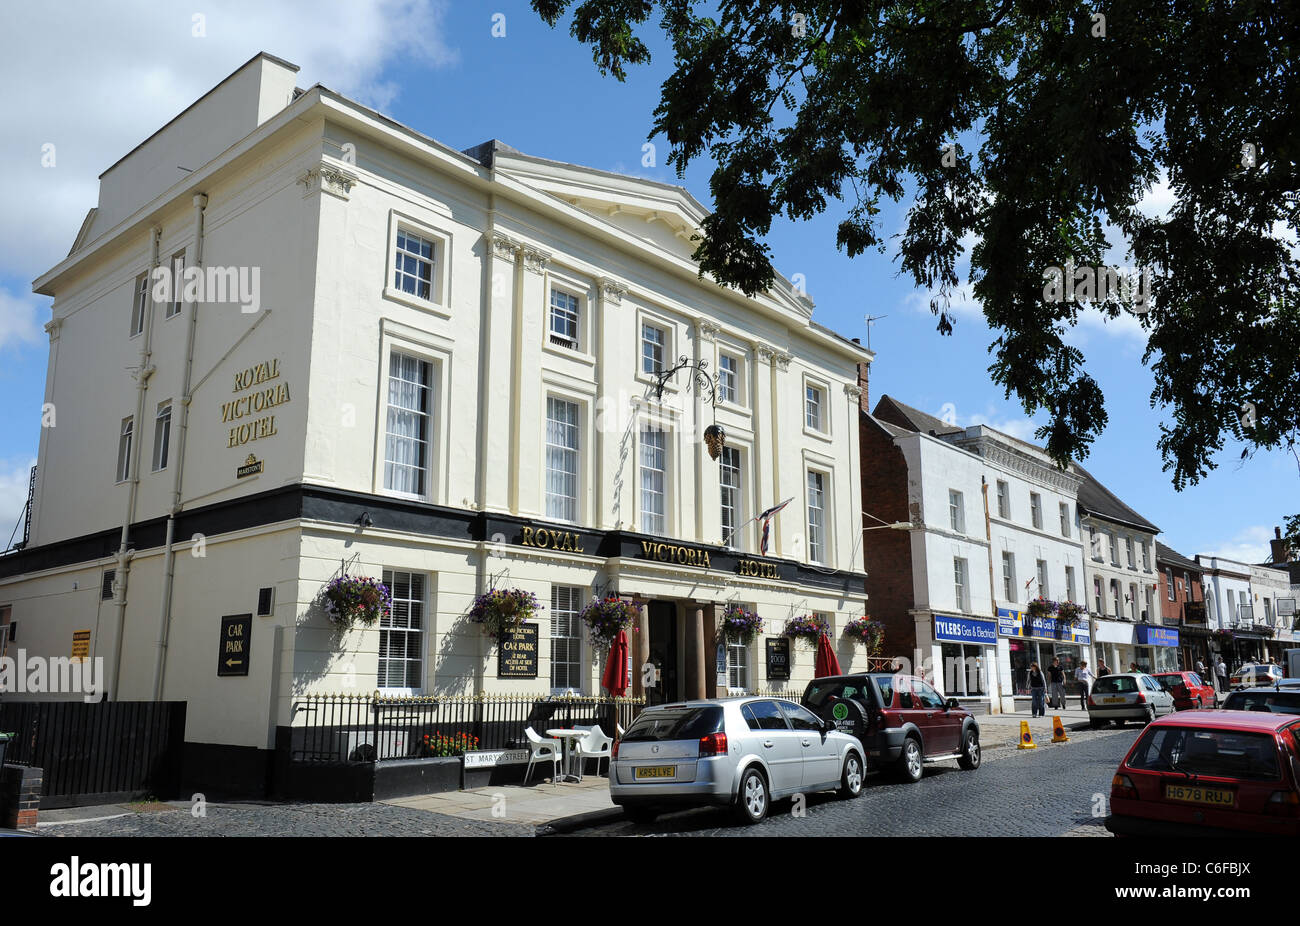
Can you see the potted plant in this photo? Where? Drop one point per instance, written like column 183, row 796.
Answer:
column 357, row 599
column 1041, row 607
column 605, row 617
column 440, row 745
column 867, row 632
column 807, row 627
column 741, row 625
column 1069, row 611
column 502, row 609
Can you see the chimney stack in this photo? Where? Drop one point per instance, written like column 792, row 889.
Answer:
column 864, row 401
column 1282, row 553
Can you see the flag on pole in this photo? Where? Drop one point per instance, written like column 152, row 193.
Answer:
column 766, row 518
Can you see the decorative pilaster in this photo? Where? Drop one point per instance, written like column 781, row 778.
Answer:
column 612, row 292
column 535, row 259
column 853, row 391
column 53, row 327
column 782, row 359
column 708, row 331
column 326, row 178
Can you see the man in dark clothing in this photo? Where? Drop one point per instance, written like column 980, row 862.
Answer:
column 1056, row 683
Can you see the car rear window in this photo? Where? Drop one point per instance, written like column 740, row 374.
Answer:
column 1225, row 753
column 1116, row 684
column 886, row 685
column 1278, row 702
column 1169, row 682
column 817, row 694
column 680, row 723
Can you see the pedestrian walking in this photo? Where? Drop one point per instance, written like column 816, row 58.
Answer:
column 1133, row 667
column 1102, row 668
column 1056, row 683
column 1037, row 690
column 1221, row 671
column 1200, row 668
column 1083, row 675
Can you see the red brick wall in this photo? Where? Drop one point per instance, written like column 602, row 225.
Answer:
column 1171, row 611
column 887, row 554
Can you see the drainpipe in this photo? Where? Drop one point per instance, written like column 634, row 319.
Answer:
column 182, row 428
column 993, row 596
column 145, row 371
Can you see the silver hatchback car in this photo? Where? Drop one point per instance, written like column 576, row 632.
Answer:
column 1130, row 696
column 737, row 752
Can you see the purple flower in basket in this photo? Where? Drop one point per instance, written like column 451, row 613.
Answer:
column 605, row 617
column 808, row 628
column 741, row 624
column 502, row 609
column 362, row 599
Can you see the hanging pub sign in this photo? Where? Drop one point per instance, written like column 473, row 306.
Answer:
column 236, row 644
column 778, row 658
column 517, row 652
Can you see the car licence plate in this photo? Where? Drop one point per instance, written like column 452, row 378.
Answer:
column 1113, row 700
column 1217, row 797
column 656, row 771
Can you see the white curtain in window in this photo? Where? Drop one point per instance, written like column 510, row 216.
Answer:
column 561, row 459
column 653, row 463
column 406, row 453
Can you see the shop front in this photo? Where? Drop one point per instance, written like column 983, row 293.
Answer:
column 1157, row 648
column 1029, row 639
column 967, row 652
column 1114, row 642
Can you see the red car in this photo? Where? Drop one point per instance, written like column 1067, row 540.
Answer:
column 1210, row 773
column 1190, row 691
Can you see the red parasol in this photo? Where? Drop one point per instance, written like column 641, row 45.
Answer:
column 615, row 677
column 827, row 664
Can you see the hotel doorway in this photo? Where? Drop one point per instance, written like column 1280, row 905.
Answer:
column 661, row 624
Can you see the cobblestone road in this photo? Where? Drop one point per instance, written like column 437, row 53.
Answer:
column 1044, row 792
column 290, row 820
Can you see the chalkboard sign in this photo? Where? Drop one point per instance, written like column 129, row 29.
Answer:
column 517, row 653
column 778, row 658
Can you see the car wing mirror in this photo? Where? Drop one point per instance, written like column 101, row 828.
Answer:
column 951, row 704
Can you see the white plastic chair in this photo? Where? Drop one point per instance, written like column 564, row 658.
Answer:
column 543, row 749
column 596, row 746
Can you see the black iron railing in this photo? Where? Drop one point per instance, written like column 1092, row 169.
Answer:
column 370, row 728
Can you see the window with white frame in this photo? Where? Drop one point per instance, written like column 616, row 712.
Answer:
column 1065, row 519
column 654, row 480
column 1036, row 510
column 1095, row 544
column 1042, row 579
column 562, row 459
column 816, row 516
column 414, row 269
column 162, row 435
column 813, row 403
column 1169, row 581
column 1114, row 549
column 654, row 348
column 1146, row 593
column 1008, row 576
column 1115, row 596
column 408, row 432
column 737, row 666
column 1098, row 604
column 729, row 378
column 178, row 273
column 1146, row 556
column 139, row 304
column 961, row 582
column 1133, row 600
column 1069, row 584
column 563, row 327
column 1004, row 500
column 566, row 638
column 729, row 482
column 125, row 436
column 956, row 511
column 401, row 634
column 1132, row 564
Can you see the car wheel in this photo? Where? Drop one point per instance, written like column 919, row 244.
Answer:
column 970, row 757
column 641, row 814
column 752, row 801
column 851, row 780
column 1151, row 713
column 911, row 762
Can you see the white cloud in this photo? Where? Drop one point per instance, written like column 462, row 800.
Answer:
column 1248, row 545
column 1158, row 200
column 20, row 322
column 95, row 80
column 14, row 476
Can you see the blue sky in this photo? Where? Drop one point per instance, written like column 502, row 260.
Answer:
column 439, row 69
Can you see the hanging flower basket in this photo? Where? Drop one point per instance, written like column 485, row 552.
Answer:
column 605, row 617
column 741, row 625
column 867, row 632
column 1042, row 607
column 1222, row 636
column 357, row 599
column 807, row 628
column 1069, row 611
column 502, row 609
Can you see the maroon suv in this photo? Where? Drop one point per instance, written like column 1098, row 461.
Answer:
column 901, row 720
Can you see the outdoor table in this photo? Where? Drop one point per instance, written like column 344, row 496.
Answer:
column 568, row 740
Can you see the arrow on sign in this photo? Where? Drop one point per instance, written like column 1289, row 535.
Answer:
column 234, row 662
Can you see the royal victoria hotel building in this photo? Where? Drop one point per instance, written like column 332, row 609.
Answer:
column 434, row 367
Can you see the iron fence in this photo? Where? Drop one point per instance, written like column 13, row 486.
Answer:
column 370, row 728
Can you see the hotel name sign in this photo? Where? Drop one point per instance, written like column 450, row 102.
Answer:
column 544, row 538
column 256, row 391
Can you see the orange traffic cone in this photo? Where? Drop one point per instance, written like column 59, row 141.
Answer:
column 1026, row 738
column 1058, row 731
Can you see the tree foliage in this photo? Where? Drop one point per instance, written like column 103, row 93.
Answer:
column 1035, row 129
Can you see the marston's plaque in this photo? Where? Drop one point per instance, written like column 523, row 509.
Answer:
column 236, row 644
column 517, row 653
column 251, row 467
column 778, row 658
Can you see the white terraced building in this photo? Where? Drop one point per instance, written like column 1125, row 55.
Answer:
column 441, row 372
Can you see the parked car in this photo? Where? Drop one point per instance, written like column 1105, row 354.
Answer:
column 1255, row 676
column 1189, row 690
column 900, row 720
column 1280, row 699
column 738, row 752
column 1210, row 773
column 1130, row 696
